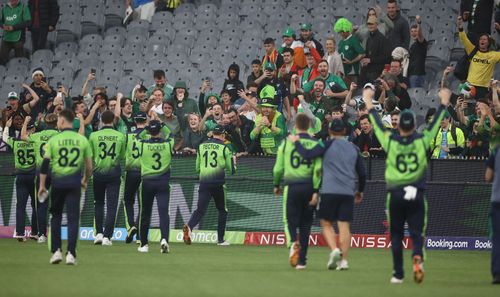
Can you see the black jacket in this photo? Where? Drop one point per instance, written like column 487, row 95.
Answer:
column 48, row 12
column 479, row 19
column 378, row 50
column 233, row 85
column 399, row 35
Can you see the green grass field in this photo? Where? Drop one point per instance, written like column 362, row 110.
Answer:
column 207, row 270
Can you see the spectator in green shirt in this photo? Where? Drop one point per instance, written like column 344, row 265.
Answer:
column 15, row 17
column 350, row 49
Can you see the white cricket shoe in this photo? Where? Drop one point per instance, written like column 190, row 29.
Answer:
column 300, row 267
column 143, row 249
column 70, row 259
column 165, row 248
column 98, row 238
column 395, row 280
column 334, row 259
column 107, row 242
column 343, row 265
column 224, row 243
column 42, row 239
column 56, row 257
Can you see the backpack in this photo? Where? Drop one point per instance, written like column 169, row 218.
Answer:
column 462, row 67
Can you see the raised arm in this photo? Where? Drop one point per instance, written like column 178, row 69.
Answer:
column 431, row 131
column 90, row 77
column 24, row 128
column 348, row 98
column 381, row 133
column 34, row 101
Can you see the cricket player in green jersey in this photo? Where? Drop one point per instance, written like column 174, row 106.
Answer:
column 302, row 179
column 24, row 162
column 67, row 155
column 406, row 164
column 39, row 139
column 156, row 157
column 108, row 149
column 213, row 159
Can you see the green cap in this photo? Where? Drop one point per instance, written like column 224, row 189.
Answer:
column 180, row 85
column 269, row 65
column 289, row 32
column 306, row 26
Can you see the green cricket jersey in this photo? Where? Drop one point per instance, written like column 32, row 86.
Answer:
column 24, row 155
column 212, row 160
column 132, row 151
column 14, row 16
column 293, row 168
column 406, row 161
column 156, row 156
column 349, row 49
column 67, row 152
column 333, row 82
column 108, row 149
column 39, row 140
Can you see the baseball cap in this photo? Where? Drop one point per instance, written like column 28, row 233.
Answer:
column 372, row 20
column 337, row 125
column 407, row 120
column 140, row 117
column 13, row 95
column 306, row 26
column 154, row 127
column 289, row 32
column 370, row 85
column 218, row 130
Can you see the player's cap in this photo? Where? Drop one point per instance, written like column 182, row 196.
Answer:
column 140, row 117
column 219, row 130
column 13, row 95
column 407, row 120
column 370, row 85
column 337, row 125
column 154, row 127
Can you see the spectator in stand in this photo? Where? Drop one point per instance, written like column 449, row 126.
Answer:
column 79, row 107
column 494, row 117
column 183, row 104
column 44, row 14
column 362, row 32
column 15, row 17
column 476, row 143
column 399, row 66
column 335, row 88
column 271, row 85
column 395, row 120
column 418, row 53
column 212, row 117
column 160, row 83
column 155, row 102
column 449, row 141
column 378, row 53
column 399, row 35
column 306, row 35
column 233, row 134
column 87, row 97
column 242, row 126
column 269, row 128
column 208, row 100
column 289, row 67
column 335, row 65
column 312, row 59
column 256, row 71
column 319, row 104
column 145, row 9
column 391, row 88
column 170, row 120
column 429, row 116
column 42, row 89
column 23, row 108
column 478, row 15
column 366, row 141
column 233, row 83
column 193, row 136
column 350, row 50
column 482, row 63
column 289, row 41
column 125, row 122
column 139, row 95
column 225, row 99
column 249, row 109
column 271, row 56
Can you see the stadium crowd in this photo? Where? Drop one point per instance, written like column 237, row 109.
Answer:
column 296, row 74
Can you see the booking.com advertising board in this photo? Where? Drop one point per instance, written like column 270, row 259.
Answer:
column 457, row 217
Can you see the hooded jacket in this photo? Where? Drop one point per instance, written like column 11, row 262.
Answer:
column 233, row 85
column 184, row 107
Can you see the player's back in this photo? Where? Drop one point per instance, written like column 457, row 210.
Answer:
column 108, row 147
column 39, row 140
column 156, row 156
column 24, row 155
column 297, row 169
column 132, row 151
column 67, row 152
column 212, row 160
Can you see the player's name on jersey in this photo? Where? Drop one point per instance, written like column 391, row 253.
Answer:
column 24, row 145
column 208, row 146
column 68, row 142
column 107, row 138
column 156, row 147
